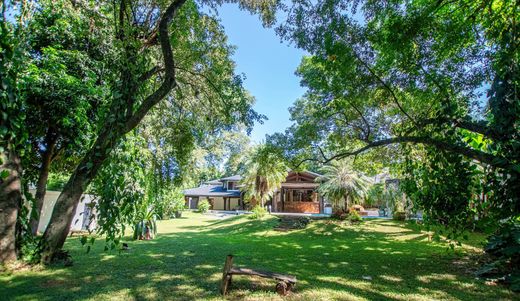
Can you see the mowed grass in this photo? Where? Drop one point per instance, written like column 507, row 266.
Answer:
column 331, row 262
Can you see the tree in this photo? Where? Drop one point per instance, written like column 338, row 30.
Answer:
column 264, row 172
column 64, row 84
column 165, row 50
column 412, row 73
column 412, row 76
column 12, row 132
column 340, row 182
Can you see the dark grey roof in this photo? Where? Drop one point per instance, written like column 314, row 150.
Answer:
column 213, row 182
column 232, row 178
column 211, row 190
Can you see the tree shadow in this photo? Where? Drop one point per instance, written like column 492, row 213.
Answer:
column 330, row 261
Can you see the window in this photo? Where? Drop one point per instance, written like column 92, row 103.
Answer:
column 231, row 185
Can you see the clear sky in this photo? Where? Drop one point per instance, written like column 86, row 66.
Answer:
column 269, row 66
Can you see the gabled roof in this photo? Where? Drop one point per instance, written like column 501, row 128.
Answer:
column 211, row 190
column 232, row 178
column 213, row 182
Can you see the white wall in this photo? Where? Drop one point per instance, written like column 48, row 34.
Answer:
column 48, row 206
column 218, row 203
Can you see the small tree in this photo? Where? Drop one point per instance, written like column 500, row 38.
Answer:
column 341, row 183
column 264, row 173
column 203, row 206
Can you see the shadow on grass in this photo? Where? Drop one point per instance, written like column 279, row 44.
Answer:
column 378, row 260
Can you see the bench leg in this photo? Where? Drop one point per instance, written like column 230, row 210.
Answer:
column 226, row 278
column 281, row 288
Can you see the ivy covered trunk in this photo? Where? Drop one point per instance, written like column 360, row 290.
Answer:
column 10, row 200
column 67, row 202
column 41, row 184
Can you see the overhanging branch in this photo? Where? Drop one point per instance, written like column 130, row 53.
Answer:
column 477, row 155
column 169, row 67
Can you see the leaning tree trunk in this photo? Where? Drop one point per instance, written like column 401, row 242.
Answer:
column 66, row 204
column 41, row 184
column 56, row 233
column 10, row 200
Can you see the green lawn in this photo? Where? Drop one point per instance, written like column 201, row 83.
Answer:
column 329, row 260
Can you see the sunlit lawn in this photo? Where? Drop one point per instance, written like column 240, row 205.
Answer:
column 330, row 261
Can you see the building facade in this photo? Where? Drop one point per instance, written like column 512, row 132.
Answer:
column 297, row 194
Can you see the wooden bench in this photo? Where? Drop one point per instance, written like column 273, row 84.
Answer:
column 285, row 282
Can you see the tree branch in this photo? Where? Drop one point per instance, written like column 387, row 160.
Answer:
column 169, row 67
column 148, row 74
column 477, row 127
column 385, row 85
column 477, row 155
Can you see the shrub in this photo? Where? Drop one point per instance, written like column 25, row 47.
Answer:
column 56, row 181
column 258, row 212
column 203, row 206
column 504, row 250
column 399, row 216
column 169, row 205
column 145, row 226
column 354, row 217
column 339, row 215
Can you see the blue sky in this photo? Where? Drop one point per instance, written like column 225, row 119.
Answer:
column 269, row 66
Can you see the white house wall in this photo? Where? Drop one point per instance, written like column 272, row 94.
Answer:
column 218, row 203
column 48, row 206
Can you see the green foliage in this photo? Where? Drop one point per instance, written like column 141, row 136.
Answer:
column 264, row 172
column 145, row 226
column 375, row 196
column 412, row 76
column 169, row 203
column 354, row 217
column 399, row 215
column 120, row 190
column 258, row 212
column 203, row 206
column 56, row 181
column 447, row 202
column 504, row 247
column 343, row 186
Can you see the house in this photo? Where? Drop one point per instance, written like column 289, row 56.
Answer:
column 297, row 194
column 222, row 194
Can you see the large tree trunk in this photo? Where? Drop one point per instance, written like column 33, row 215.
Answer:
column 56, row 233
column 110, row 134
column 41, row 184
column 10, row 200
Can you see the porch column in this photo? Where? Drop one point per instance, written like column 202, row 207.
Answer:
column 283, row 200
column 275, row 200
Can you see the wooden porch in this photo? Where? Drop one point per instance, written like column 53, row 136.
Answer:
column 298, row 194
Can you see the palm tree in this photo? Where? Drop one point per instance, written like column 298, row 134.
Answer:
column 340, row 182
column 264, row 173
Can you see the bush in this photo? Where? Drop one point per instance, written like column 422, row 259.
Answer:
column 399, row 216
column 339, row 215
column 354, row 217
column 203, row 206
column 170, row 204
column 145, row 226
column 56, row 181
column 258, row 212
column 504, row 250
